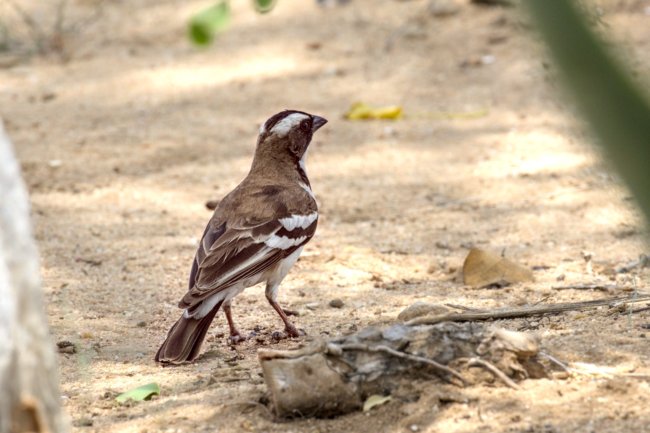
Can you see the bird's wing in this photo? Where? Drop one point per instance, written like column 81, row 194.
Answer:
column 227, row 255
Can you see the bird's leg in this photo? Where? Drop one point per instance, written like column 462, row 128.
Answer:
column 289, row 328
column 235, row 335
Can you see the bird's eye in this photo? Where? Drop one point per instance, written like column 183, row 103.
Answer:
column 305, row 126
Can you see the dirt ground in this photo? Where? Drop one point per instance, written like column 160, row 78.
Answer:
column 124, row 141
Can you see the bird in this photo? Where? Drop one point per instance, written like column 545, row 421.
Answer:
column 255, row 235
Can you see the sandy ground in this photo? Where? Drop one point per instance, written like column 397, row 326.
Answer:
column 124, row 142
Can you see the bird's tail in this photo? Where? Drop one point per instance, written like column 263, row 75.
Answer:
column 184, row 339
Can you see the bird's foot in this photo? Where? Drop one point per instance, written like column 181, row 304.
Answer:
column 289, row 332
column 236, row 338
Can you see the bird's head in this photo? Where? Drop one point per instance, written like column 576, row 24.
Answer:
column 288, row 134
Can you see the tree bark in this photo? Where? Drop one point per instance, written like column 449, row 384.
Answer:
column 29, row 379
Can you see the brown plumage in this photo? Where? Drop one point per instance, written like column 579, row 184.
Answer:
column 255, row 235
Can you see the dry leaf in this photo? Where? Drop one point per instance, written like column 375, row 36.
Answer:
column 482, row 268
column 362, row 111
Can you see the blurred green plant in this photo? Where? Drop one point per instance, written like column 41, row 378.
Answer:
column 613, row 105
column 263, row 6
column 206, row 24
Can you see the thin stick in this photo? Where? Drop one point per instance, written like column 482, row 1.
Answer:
column 556, row 361
column 404, row 355
column 535, row 310
column 595, row 286
column 477, row 362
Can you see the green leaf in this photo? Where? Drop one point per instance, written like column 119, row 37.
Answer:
column 264, row 6
column 207, row 23
column 144, row 392
column 375, row 400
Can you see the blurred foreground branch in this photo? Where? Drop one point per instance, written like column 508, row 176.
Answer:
column 616, row 109
column 29, row 380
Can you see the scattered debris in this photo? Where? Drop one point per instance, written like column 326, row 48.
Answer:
column 483, row 269
column 478, row 61
column 66, row 346
column 83, row 422
column 642, row 262
column 312, row 306
column 359, row 371
column 88, row 261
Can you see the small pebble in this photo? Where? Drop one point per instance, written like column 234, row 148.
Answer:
column 336, row 303
column 278, row 335
column 414, row 428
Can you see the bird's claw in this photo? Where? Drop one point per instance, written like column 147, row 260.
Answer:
column 236, row 338
column 289, row 332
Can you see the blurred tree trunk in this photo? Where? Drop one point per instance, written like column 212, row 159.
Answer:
column 29, row 379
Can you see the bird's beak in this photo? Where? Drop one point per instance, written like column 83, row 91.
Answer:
column 317, row 122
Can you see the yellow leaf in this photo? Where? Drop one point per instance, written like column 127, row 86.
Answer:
column 362, row 111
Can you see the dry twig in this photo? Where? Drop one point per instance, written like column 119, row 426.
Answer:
column 596, row 286
column 535, row 310
column 478, row 362
column 555, row 361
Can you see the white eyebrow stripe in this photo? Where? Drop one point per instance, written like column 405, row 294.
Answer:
column 285, row 125
column 284, row 242
column 295, row 221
